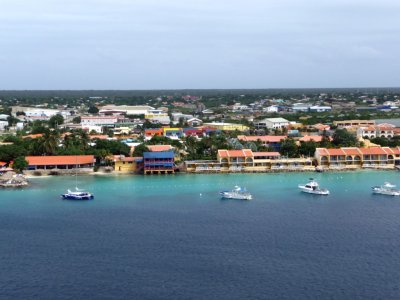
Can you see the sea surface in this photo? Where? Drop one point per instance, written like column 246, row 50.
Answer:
column 172, row 237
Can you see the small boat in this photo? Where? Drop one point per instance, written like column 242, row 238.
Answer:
column 312, row 187
column 236, row 193
column 386, row 189
column 77, row 195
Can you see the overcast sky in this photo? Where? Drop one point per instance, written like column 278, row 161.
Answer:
column 174, row 44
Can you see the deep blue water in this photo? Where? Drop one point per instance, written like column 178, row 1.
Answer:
column 171, row 237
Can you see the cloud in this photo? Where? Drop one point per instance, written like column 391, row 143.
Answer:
column 50, row 44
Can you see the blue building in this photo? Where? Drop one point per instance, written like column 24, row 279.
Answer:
column 158, row 162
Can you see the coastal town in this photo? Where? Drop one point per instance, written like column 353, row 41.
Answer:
column 221, row 133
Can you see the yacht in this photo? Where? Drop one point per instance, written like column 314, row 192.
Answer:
column 77, row 195
column 236, row 193
column 386, row 189
column 312, row 187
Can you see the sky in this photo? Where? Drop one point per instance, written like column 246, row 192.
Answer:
column 202, row 44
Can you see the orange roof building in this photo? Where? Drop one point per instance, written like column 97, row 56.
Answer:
column 159, row 148
column 60, row 162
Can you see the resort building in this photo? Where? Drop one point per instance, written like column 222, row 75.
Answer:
column 272, row 123
column 353, row 157
column 158, row 162
column 248, row 161
column 370, row 132
column 353, row 123
column 62, row 162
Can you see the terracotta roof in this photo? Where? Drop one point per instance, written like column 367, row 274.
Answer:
column 59, row 160
column 396, row 150
column 235, row 153
column 33, row 136
column 159, row 148
column 266, row 154
column 373, row 151
column 352, row 151
column 2, row 163
column 263, row 138
column 333, row 151
column 123, row 158
column 388, row 150
column 387, row 128
column 315, row 138
column 322, row 151
column 99, row 136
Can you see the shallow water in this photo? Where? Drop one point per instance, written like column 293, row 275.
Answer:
column 171, row 237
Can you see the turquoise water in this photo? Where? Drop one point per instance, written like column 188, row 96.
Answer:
column 171, row 237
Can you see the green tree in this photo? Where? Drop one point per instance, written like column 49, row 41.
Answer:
column 343, row 138
column 140, row 149
column 93, row 110
column 307, row 148
column 76, row 120
column 56, row 120
column 289, row 148
column 20, row 164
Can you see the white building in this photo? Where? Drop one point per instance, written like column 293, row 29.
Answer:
column 272, row 123
column 157, row 116
column 98, row 121
column 4, row 117
column 3, row 125
column 126, row 109
column 271, row 109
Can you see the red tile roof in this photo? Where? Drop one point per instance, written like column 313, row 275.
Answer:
column 315, row 138
column 262, row 138
column 33, row 136
column 322, row 151
column 372, row 151
column 60, row 160
column 159, row 148
column 333, row 151
column 2, row 163
column 235, row 153
column 396, row 150
column 352, row 151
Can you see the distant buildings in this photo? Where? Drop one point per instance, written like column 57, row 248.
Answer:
column 272, row 123
column 227, row 126
column 353, row 123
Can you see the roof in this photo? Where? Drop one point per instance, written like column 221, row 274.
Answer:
column 33, row 136
column 165, row 154
column 315, row 138
column 396, row 150
column 257, row 154
column 321, row 151
column 159, row 148
column 262, row 138
column 126, row 158
column 2, row 163
column 373, row 151
column 235, row 153
column 333, row 151
column 351, row 151
column 59, row 160
column 99, row 136
column 276, row 120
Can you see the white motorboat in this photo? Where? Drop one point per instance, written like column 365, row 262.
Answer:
column 386, row 189
column 77, row 195
column 312, row 187
column 236, row 193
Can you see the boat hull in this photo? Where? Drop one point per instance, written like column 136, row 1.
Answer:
column 380, row 191
column 73, row 197
column 229, row 195
column 312, row 191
